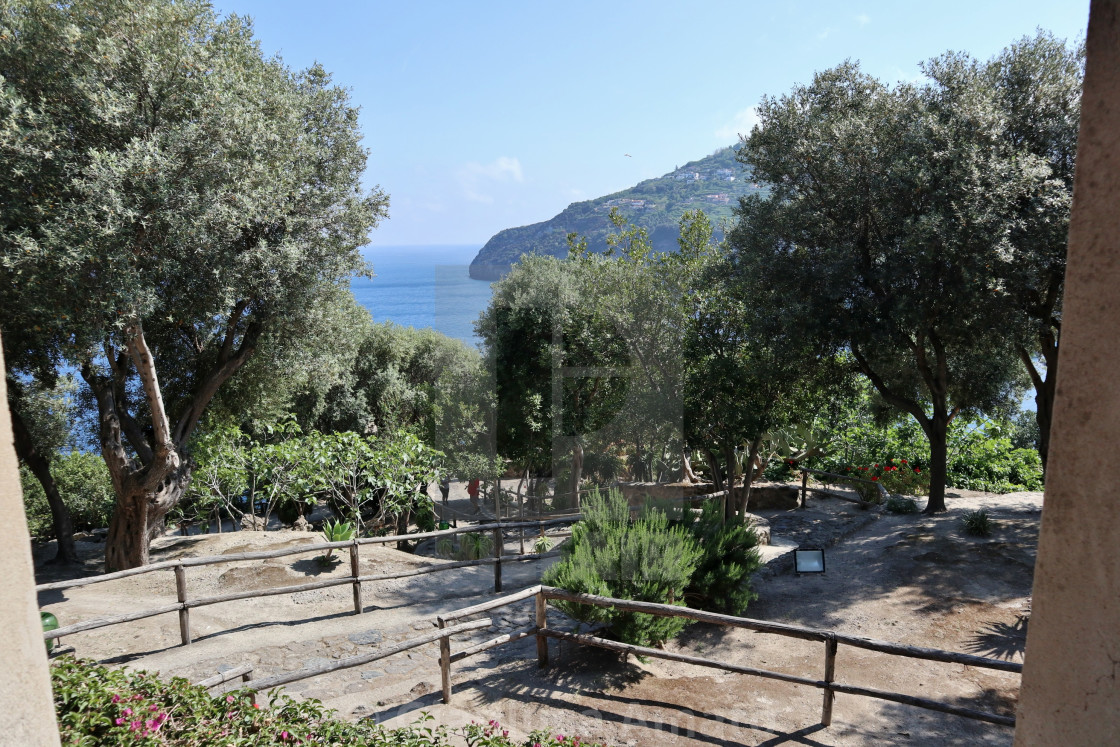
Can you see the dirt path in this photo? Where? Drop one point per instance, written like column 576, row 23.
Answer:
column 912, row 579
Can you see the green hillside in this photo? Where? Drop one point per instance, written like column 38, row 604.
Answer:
column 713, row 184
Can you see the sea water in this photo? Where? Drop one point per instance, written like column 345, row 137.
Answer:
column 424, row 286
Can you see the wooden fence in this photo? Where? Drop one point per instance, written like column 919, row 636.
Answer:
column 805, row 472
column 184, row 604
column 830, row 639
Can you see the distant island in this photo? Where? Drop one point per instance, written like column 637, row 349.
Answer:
column 713, row 184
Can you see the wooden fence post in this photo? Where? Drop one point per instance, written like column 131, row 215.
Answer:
column 829, row 677
column 521, row 517
column 542, row 624
column 354, row 572
column 804, row 487
column 498, row 560
column 445, row 662
column 184, row 613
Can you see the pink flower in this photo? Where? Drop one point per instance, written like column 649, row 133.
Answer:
column 127, row 711
column 229, row 698
column 119, row 721
column 153, row 707
column 116, row 699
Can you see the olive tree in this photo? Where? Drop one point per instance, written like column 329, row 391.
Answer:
column 888, row 207
column 174, row 203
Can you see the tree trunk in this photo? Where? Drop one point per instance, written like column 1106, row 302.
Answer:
column 732, row 503
column 936, row 432
column 577, row 470
column 138, row 518
column 686, row 467
column 752, row 473
column 713, row 465
column 30, row 455
column 1044, row 388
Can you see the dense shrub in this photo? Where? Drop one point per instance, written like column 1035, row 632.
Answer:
column 86, row 489
column 96, row 706
column 643, row 559
column 897, row 476
column 722, row 580
column 982, row 454
column 898, row 504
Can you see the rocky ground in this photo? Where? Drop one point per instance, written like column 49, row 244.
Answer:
column 913, row 579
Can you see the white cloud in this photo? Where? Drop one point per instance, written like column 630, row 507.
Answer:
column 863, row 19
column 475, row 177
column 741, row 125
column 824, row 34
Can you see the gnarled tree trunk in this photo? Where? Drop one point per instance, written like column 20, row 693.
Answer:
column 148, row 465
column 138, row 518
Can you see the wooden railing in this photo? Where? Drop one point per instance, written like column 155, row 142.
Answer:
column 805, row 472
column 831, row 640
column 184, row 604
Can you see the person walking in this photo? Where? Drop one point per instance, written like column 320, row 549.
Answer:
column 472, row 491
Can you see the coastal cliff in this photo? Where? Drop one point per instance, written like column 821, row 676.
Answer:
column 713, row 184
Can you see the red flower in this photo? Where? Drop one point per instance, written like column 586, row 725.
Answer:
column 874, row 478
column 904, row 461
column 917, row 471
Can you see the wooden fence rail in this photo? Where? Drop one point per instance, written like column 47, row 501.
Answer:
column 184, row 603
column 831, row 639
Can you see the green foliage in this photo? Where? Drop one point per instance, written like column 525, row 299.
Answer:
column 981, row 453
column 978, row 523
column 561, row 373
column 96, row 705
column 366, row 479
column 85, row 486
column 722, row 580
column 644, row 559
column 445, row 547
column 898, row 504
column 175, row 205
column 917, row 162
column 475, row 545
column 336, row 531
column 542, row 544
column 983, row 458
column 404, row 379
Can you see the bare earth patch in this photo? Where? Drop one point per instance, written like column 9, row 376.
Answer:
column 911, row 579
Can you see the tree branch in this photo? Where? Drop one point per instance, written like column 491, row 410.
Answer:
column 897, row 400
column 146, row 370
column 226, row 366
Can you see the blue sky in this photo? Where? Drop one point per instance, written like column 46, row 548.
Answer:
column 484, row 115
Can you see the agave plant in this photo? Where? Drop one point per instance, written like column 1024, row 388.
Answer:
column 338, row 531
column 475, row 545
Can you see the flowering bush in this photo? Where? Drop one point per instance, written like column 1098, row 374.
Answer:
column 493, row 735
column 897, row 476
column 96, row 705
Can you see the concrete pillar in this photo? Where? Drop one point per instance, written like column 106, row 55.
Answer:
column 1071, row 675
column 26, row 705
